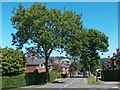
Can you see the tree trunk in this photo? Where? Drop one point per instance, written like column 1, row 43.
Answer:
column 47, row 70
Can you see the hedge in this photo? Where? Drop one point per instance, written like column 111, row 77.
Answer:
column 13, row 81
column 35, row 78
column 27, row 79
column 111, row 75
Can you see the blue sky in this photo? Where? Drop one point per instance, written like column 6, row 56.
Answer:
column 98, row 15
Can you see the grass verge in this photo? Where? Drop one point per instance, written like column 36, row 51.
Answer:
column 92, row 81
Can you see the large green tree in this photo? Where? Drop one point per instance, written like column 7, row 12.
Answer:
column 92, row 42
column 47, row 29
column 95, row 42
column 12, row 61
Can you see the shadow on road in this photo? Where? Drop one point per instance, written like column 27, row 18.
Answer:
column 77, row 77
column 60, row 82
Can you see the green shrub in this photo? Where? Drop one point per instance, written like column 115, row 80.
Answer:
column 92, row 80
column 13, row 81
column 64, row 75
column 59, row 75
column 53, row 76
column 111, row 75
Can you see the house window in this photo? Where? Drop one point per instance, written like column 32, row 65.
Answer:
column 42, row 66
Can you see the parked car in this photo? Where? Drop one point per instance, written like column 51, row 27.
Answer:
column 98, row 71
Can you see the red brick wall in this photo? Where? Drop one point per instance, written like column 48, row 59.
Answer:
column 30, row 69
column 33, row 68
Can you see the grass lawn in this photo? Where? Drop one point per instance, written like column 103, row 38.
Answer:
column 92, row 81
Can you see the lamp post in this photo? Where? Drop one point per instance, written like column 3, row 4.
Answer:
column 108, row 62
column 89, row 70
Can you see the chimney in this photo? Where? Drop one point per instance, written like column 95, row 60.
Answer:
column 108, row 57
column 118, row 51
column 113, row 54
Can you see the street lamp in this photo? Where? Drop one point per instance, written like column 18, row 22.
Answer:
column 89, row 70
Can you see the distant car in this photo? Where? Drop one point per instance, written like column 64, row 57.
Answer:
column 85, row 73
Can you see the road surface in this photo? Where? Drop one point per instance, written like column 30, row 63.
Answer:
column 76, row 82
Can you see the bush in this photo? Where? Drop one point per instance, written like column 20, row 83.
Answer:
column 54, row 75
column 92, row 80
column 111, row 75
column 64, row 75
column 13, row 81
column 59, row 75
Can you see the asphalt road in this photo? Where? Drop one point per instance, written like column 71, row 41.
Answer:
column 77, row 82
column 74, row 82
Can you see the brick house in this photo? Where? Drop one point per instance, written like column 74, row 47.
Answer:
column 114, row 61
column 54, row 65
column 35, row 64
column 118, row 58
column 59, row 65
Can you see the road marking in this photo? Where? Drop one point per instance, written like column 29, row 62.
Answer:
column 115, row 87
column 66, row 85
column 72, row 82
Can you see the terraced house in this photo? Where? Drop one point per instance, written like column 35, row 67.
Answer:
column 114, row 61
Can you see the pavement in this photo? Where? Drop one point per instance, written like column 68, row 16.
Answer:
column 111, row 82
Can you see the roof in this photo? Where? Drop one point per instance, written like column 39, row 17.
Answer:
column 66, row 59
column 35, row 61
column 63, row 66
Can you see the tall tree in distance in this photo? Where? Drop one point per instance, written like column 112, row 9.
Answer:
column 47, row 29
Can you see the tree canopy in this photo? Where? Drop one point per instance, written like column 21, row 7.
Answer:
column 47, row 29
column 93, row 42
